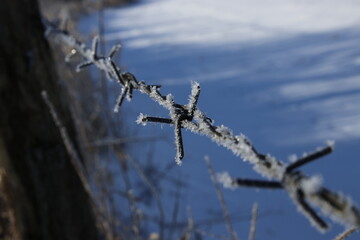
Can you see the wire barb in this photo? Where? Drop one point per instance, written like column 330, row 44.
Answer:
column 178, row 141
column 157, row 120
column 120, row 99
column 309, row 212
column 309, row 158
column 257, row 183
column 114, row 50
column 194, row 97
column 114, row 73
column 94, row 47
column 83, row 65
column 127, row 90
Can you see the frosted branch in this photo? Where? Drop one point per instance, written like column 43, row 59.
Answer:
column 304, row 190
column 254, row 215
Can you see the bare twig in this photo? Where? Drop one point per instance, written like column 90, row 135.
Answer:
column 132, row 203
column 154, row 192
column 221, row 200
column 346, row 233
column 191, row 223
column 104, row 222
column 123, row 140
column 189, row 229
column 74, row 156
column 211, row 222
column 137, row 220
column 175, row 209
column 254, row 214
column 210, row 235
column 190, row 117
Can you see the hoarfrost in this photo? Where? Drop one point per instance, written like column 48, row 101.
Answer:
column 340, row 208
column 225, row 179
column 195, row 93
column 312, row 184
column 141, row 119
column 120, row 99
column 271, row 168
column 178, row 141
column 292, row 158
column 331, row 143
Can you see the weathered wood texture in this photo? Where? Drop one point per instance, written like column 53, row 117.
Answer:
column 40, row 188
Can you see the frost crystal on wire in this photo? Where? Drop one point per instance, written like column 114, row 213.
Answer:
column 178, row 141
column 141, row 119
column 193, row 99
column 225, row 179
column 312, row 184
column 114, row 50
column 120, row 99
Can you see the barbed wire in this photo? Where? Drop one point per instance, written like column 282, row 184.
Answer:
column 302, row 189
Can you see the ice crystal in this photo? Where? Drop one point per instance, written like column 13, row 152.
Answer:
column 312, row 184
column 225, row 179
column 141, row 119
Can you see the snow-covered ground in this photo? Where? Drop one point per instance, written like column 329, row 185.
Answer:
column 286, row 73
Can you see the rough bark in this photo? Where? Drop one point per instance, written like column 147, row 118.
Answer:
column 41, row 192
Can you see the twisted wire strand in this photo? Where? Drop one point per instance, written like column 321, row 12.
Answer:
column 301, row 188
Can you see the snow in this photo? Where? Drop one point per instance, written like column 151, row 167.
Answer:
column 211, row 22
column 299, row 45
column 285, row 73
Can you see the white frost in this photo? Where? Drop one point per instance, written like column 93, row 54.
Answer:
column 312, row 184
column 141, row 119
column 225, row 179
